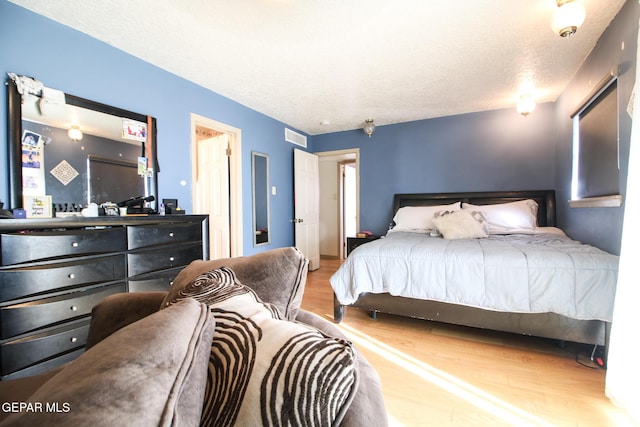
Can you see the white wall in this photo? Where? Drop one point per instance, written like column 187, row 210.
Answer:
column 329, row 208
column 623, row 373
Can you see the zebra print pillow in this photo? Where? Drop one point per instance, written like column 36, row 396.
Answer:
column 264, row 370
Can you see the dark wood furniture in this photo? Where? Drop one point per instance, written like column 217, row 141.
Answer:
column 547, row 325
column 53, row 271
column 354, row 242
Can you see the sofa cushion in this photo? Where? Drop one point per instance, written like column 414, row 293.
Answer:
column 265, row 370
column 151, row 372
column 278, row 276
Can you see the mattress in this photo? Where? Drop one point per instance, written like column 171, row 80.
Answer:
column 545, row 271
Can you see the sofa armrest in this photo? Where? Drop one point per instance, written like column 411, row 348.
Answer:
column 119, row 310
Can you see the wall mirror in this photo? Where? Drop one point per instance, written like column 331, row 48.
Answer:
column 76, row 150
column 260, row 190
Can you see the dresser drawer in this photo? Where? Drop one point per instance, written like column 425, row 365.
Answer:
column 45, row 366
column 157, row 281
column 140, row 236
column 141, row 262
column 22, row 353
column 28, row 281
column 21, row 318
column 42, row 245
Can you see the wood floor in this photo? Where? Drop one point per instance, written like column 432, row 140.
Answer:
column 442, row 375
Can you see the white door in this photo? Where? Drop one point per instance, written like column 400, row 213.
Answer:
column 307, row 205
column 209, row 192
column 212, row 192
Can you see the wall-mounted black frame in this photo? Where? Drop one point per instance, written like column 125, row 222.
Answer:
column 596, row 147
column 148, row 148
column 260, row 194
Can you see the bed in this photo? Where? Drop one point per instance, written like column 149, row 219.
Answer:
column 523, row 275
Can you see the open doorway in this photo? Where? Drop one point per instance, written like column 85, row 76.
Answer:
column 339, row 200
column 349, row 210
column 217, row 183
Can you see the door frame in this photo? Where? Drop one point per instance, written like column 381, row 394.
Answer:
column 342, row 155
column 235, row 176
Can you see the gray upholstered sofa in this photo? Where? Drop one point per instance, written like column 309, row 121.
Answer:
column 151, row 366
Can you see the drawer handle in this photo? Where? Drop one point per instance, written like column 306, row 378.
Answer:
column 72, row 276
column 171, row 234
column 73, row 308
column 75, row 244
column 73, row 339
column 172, row 258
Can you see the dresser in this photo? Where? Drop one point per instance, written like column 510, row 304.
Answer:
column 53, row 271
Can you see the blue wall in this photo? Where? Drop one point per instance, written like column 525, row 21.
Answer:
column 499, row 150
column 599, row 226
column 485, row 151
column 65, row 59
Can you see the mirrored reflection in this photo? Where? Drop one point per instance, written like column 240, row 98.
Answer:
column 78, row 152
column 260, row 189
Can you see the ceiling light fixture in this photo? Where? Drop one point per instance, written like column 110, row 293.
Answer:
column 75, row 133
column 526, row 105
column 369, row 127
column 568, row 17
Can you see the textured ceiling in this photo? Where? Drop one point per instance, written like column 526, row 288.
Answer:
column 342, row 61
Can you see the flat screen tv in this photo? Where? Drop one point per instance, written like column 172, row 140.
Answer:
column 112, row 180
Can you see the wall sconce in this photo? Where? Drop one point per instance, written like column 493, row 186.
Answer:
column 75, row 134
column 568, row 17
column 526, row 105
column 369, row 127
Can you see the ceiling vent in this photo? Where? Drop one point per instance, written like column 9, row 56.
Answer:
column 295, row 137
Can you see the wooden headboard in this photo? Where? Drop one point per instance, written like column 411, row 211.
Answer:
column 546, row 200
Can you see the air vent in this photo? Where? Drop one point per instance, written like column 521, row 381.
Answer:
column 295, row 138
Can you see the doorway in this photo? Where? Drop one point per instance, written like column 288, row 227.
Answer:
column 339, row 200
column 217, row 183
column 349, row 226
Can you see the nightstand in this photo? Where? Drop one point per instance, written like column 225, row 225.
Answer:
column 354, row 242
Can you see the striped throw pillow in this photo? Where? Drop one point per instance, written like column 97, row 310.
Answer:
column 264, row 370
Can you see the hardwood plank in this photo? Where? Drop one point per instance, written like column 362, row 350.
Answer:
column 438, row 374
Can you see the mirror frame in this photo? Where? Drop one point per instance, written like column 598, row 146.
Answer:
column 15, row 140
column 254, row 156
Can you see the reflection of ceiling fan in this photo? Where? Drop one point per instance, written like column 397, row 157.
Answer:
column 65, row 116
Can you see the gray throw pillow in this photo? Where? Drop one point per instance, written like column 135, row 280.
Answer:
column 151, row 372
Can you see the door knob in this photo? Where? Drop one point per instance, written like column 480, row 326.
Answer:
column 297, row 220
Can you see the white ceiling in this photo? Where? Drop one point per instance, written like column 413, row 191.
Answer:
column 307, row 61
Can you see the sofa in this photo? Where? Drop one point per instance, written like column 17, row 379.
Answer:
column 227, row 345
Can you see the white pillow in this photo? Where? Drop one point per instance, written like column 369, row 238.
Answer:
column 463, row 224
column 506, row 218
column 419, row 218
